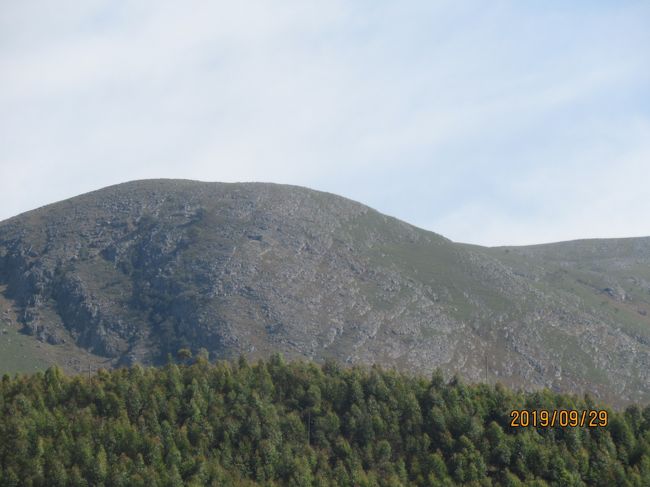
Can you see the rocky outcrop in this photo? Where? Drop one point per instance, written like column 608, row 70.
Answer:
column 139, row 270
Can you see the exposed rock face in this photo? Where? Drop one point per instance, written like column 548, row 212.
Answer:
column 138, row 270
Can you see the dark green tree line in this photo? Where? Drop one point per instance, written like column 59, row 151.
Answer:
column 276, row 423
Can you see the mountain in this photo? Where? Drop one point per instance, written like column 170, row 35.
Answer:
column 135, row 271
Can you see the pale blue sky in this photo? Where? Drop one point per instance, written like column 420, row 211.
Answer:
column 488, row 122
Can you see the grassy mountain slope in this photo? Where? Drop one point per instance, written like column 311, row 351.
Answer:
column 135, row 271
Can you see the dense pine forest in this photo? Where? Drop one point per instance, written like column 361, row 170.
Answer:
column 277, row 423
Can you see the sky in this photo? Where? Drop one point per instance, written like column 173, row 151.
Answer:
column 491, row 123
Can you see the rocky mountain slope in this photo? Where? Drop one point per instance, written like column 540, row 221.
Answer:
column 135, row 271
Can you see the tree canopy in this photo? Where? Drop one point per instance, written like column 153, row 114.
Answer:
column 300, row 424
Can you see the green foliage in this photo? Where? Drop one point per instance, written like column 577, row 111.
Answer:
column 276, row 423
column 184, row 354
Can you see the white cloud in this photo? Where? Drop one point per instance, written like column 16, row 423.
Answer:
column 455, row 115
column 588, row 196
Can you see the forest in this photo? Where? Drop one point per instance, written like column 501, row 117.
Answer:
column 275, row 423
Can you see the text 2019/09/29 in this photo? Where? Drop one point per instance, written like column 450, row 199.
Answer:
column 544, row 418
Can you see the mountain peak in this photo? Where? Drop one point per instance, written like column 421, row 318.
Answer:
column 138, row 270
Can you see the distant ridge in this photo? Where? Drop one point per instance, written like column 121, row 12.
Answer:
column 138, row 270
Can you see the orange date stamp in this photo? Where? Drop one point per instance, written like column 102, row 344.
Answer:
column 545, row 418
